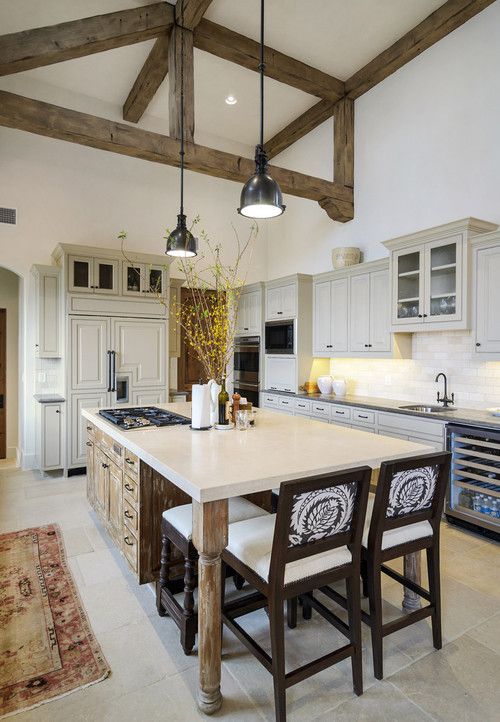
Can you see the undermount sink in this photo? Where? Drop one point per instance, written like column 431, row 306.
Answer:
column 427, row 409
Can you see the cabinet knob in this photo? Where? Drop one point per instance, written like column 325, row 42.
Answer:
column 105, row 466
column 129, row 543
column 477, row 343
column 129, row 461
column 425, row 315
column 128, row 514
column 420, row 315
column 366, row 345
column 89, row 443
column 128, row 487
column 58, row 411
column 280, row 313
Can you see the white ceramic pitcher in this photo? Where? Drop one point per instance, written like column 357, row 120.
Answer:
column 214, row 390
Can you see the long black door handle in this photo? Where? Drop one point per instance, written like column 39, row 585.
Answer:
column 1, row 397
column 113, row 371
column 109, row 370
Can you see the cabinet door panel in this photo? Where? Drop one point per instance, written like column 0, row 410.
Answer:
column 288, row 301
column 488, row 300
column 322, row 329
column 80, row 270
column 380, row 314
column 443, row 280
column 141, row 348
column 360, row 313
column 78, row 425
column 408, row 284
column 242, row 320
column 273, row 304
column 49, row 314
column 339, row 316
column 281, row 373
column 106, row 276
column 115, row 518
column 52, row 424
column 89, row 360
column 101, row 482
column 91, row 481
column 145, row 398
column 253, row 312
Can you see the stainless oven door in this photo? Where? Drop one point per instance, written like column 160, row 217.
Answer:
column 249, row 391
column 247, row 360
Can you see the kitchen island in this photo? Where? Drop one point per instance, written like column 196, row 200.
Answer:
column 210, row 467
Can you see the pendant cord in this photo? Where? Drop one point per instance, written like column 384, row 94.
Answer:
column 182, row 108
column 262, row 68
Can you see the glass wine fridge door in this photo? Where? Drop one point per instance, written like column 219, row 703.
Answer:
column 474, row 492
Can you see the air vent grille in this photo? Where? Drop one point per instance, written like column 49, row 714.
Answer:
column 8, row 215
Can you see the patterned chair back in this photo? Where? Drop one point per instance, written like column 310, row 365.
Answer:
column 317, row 514
column 409, row 491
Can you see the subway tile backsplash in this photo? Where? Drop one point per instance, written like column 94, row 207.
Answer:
column 52, row 370
column 475, row 383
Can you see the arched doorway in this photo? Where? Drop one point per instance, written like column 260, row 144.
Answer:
column 9, row 365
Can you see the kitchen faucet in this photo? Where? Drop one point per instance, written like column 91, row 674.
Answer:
column 444, row 399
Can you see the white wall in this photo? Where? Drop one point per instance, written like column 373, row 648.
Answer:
column 426, row 152
column 9, row 299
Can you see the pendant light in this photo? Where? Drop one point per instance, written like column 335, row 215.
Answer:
column 181, row 242
column 261, row 195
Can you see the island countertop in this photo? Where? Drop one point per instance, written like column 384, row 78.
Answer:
column 213, row 465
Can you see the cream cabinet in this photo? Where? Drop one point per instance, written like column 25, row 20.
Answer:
column 49, row 311
column 487, row 297
column 174, row 329
column 281, row 373
column 249, row 319
column 142, row 278
column 330, row 323
column 93, row 275
column 430, row 277
column 369, row 305
column 49, row 448
column 281, row 300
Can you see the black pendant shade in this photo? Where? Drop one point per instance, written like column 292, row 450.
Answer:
column 261, row 195
column 181, row 243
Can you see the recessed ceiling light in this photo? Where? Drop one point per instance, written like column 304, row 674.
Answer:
column 231, row 100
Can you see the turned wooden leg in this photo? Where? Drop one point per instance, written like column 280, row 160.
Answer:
column 188, row 630
column 210, row 532
column 163, row 576
column 412, row 570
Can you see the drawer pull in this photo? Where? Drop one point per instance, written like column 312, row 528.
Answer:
column 128, row 514
column 360, row 416
column 341, row 413
column 129, row 543
column 129, row 461
column 105, row 466
column 89, row 428
column 88, row 443
column 128, row 487
column 301, row 406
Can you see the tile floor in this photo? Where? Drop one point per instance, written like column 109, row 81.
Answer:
column 153, row 680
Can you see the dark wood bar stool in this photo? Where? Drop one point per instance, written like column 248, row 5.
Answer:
column 177, row 530
column 314, row 539
column 403, row 517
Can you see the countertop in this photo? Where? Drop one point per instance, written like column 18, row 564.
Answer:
column 211, row 465
column 471, row 417
column 49, row 398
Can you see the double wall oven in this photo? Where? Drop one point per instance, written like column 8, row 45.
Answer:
column 247, row 368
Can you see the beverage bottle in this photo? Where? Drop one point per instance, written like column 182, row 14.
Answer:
column 222, row 401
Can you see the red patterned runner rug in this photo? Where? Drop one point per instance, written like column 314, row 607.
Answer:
column 47, row 647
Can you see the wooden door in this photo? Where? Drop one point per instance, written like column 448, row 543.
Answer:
column 254, row 312
column 380, row 314
column 288, row 301
column 443, row 280
column 408, row 286
column 141, row 348
column 359, row 302
column 339, row 316
column 273, row 304
column 189, row 369
column 3, row 383
column 90, row 470
column 101, row 476
column 106, row 276
column 242, row 316
column 89, row 360
column 81, row 270
column 51, row 435
column 115, row 501
column 322, row 326
column 488, row 301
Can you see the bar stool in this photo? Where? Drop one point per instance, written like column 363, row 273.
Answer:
column 314, row 539
column 403, row 517
column 177, row 530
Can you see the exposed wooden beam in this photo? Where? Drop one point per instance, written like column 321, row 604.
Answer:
column 179, row 38
column 194, row 10
column 299, row 127
column 241, row 50
column 53, row 121
column 436, row 26
column 343, row 142
column 152, row 74
column 53, row 44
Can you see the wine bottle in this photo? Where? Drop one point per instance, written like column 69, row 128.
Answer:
column 223, row 399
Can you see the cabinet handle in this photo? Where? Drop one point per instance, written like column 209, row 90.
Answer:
column 128, row 514
column 425, row 315
column 366, row 345
column 245, row 329
column 477, row 343
column 89, row 443
column 329, row 345
column 301, row 406
column 341, row 413
column 105, row 466
column 58, row 411
column 129, row 461
column 420, row 315
column 89, row 428
column 360, row 416
column 279, row 313
column 129, row 543
column 128, row 487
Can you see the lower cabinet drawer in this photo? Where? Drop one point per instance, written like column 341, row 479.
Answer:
column 130, row 517
column 341, row 414
column 131, row 464
column 302, row 406
column 363, row 416
column 130, row 489
column 320, row 410
column 130, row 548
column 269, row 400
column 285, row 403
column 111, row 447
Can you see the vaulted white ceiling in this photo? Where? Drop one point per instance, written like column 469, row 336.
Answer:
column 336, row 36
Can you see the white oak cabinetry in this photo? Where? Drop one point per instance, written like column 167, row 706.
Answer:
column 49, row 449
column 249, row 319
column 351, row 316
column 430, row 276
column 486, row 285
column 48, row 318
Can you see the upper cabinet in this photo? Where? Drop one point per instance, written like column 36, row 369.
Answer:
column 48, row 300
column 140, row 278
column 281, row 299
column 430, row 277
column 93, row 275
column 351, row 315
column 486, row 264
column 249, row 319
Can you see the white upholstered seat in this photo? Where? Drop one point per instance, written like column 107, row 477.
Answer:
column 251, row 541
column 181, row 517
column 393, row 537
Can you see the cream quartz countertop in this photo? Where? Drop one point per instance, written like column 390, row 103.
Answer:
column 211, row 465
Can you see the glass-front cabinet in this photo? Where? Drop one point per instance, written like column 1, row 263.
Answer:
column 93, row 275
column 142, row 278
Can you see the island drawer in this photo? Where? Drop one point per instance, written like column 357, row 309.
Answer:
column 130, row 517
column 130, row 490
column 302, row 406
column 111, row 447
column 130, row 548
column 131, row 465
column 90, row 429
column 363, row 416
column 341, row 414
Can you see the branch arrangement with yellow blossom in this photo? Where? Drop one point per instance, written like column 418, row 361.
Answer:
column 208, row 317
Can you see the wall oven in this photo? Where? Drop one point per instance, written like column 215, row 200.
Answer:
column 246, row 377
column 280, row 337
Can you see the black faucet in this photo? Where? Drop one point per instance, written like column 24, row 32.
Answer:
column 444, row 399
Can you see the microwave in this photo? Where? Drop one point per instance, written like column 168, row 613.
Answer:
column 280, row 337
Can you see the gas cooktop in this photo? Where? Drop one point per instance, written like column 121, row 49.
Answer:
column 139, row 417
